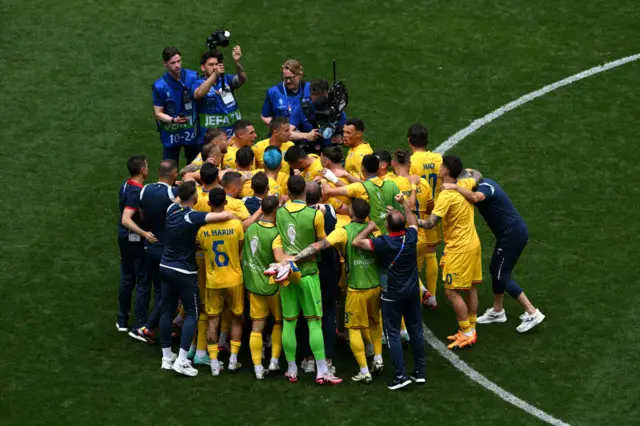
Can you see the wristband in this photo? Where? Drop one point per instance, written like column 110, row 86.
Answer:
column 173, row 120
column 413, row 187
column 331, row 177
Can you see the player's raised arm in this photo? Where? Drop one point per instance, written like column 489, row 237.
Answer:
column 409, row 217
column 361, row 240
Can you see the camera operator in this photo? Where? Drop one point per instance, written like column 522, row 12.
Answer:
column 283, row 100
column 217, row 105
column 173, row 107
column 319, row 117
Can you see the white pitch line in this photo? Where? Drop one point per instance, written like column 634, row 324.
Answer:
column 450, row 143
column 430, row 338
column 453, row 140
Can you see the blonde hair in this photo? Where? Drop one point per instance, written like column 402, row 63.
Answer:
column 292, row 65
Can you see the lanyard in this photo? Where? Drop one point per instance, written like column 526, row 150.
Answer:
column 398, row 255
column 286, row 97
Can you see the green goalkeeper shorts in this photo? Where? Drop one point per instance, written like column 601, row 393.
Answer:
column 305, row 295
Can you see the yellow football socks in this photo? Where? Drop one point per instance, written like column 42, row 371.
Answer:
column 376, row 337
column 213, row 351
column 357, row 347
column 235, row 347
column 255, row 345
column 432, row 273
column 464, row 326
column 203, row 323
column 472, row 321
column 276, row 341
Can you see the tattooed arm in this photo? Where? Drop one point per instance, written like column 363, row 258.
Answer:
column 311, row 250
column 431, row 221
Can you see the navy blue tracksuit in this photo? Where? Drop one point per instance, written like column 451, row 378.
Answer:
column 397, row 257
column 511, row 235
column 155, row 199
column 133, row 272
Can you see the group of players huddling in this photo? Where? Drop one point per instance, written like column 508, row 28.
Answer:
column 273, row 224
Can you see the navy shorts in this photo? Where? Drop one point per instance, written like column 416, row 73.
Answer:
column 509, row 247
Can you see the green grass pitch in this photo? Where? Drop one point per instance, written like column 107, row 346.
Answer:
column 75, row 86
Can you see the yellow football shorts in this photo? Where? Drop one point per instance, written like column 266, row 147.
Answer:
column 216, row 298
column 260, row 307
column 362, row 308
column 461, row 270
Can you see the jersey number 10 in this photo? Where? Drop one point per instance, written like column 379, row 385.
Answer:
column 432, row 178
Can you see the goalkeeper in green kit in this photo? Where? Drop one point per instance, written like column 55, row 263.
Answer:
column 300, row 226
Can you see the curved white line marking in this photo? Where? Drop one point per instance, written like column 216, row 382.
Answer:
column 453, row 140
column 429, row 337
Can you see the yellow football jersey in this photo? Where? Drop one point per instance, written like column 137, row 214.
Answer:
column 259, row 148
column 198, row 160
column 278, row 186
column 313, row 170
column 458, row 224
column 426, row 164
column 246, row 190
column 237, row 207
column 221, row 244
column 343, row 199
column 357, row 189
column 202, row 205
column 423, row 197
column 353, row 162
column 229, row 159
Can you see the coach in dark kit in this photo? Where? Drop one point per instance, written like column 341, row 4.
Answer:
column 131, row 236
column 400, row 289
column 512, row 235
column 155, row 199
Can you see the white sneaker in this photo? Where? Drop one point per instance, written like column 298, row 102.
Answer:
column 121, row 327
column 185, row 368
column 308, row 366
column 376, row 367
column 259, row 370
column 361, row 377
column 167, row 363
column 332, row 368
column 216, row 370
column 274, row 366
column 234, row 366
column 530, row 321
column 490, row 316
